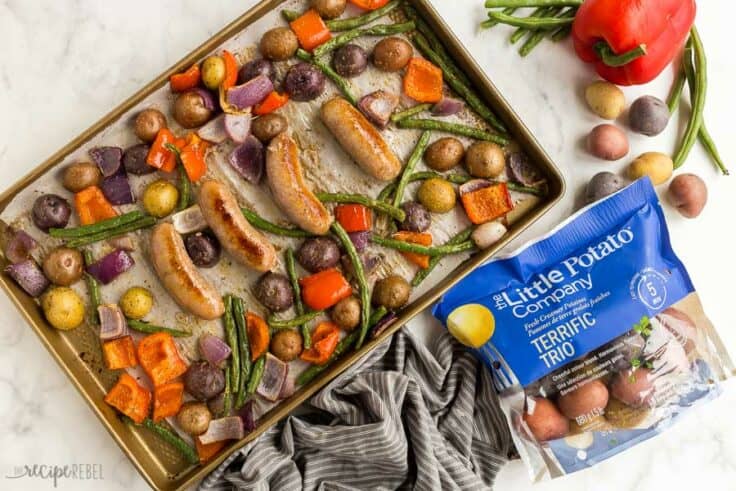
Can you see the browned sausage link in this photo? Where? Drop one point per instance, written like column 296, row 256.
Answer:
column 290, row 191
column 360, row 139
column 222, row 213
column 180, row 276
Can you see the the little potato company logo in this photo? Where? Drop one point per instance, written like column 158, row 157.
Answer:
column 472, row 324
column 53, row 473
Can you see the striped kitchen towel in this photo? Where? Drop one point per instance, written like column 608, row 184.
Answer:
column 406, row 416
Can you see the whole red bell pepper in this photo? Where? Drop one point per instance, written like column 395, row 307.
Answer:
column 631, row 41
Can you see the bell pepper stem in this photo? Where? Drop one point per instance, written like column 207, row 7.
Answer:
column 610, row 58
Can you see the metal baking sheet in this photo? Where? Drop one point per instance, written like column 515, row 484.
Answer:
column 327, row 168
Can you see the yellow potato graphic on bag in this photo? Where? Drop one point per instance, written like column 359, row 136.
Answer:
column 472, row 324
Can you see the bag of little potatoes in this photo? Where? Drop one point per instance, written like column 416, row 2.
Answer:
column 594, row 334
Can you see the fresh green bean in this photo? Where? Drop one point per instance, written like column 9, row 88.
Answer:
column 256, row 375
column 414, row 159
column 704, row 135
column 169, row 437
column 536, row 37
column 455, row 128
column 359, row 273
column 272, row 228
column 346, row 37
column 95, row 228
column 349, row 23
column 695, row 46
column 231, row 335
column 402, row 246
column 520, row 32
column 489, row 23
column 412, row 111
column 145, row 222
column 433, row 262
column 560, row 34
column 275, row 323
column 93, row 287
column 345, row 343
column 298, row 304
column 360, row 199
column 227, row 397
column 673, row 99
column 530, row 22
column 244, row 347
column 341, row 83
column 492, row 4
column 458, row 85
column 142, row 326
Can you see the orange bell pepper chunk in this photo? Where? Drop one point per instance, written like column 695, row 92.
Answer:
column 486, row 204
column 119, row 353
column 192, row 157
column 421, row 238
column 130, row 398
column 160, row 359
column 167, row 400
column 258, row 335
column 354, row 218
column 159, row 156
column 272, row 102
column 325, row 338
column 206, row 452
column 310, row 30
column 231, row 70
column 92, row 206
column 369, row 4
column 322, row 290
column 423, row 81
column 181, row 82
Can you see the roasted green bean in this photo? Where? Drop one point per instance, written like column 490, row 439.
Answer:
column 455, row 128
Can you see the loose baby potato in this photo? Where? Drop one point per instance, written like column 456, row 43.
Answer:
column 278, row 44
column 287, row 345
column 275, row 292
column 437, row 195
column 392, row 54
column 346, row 313
column 608, row 142
column 160, row 198
column 444, row 154
column 605, row 99
column 391, row 292
column 190, row 110
column 213, row 72
column 634, row 388
column 544, row 420
column 649, row 115
column 588, row 400
column 688, row 193
column 80, row 176
column 63, row 266
column 136, row 302
column 266, row 127
column 658, row 166
column 204, row 381
column 148, row 123
column 601, row 185
column 194, row 418
column 329, row 9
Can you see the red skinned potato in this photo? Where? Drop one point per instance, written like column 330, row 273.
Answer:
column 634, row 388
column 544, row 420
column 587, row 401
column 688, row 193
column 608, row 142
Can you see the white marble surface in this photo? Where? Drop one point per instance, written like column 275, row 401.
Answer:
column 65, row 63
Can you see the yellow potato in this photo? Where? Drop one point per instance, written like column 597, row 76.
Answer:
column 63, row 308
column 136, row 303
column 160, row 198
column 658, row 166
column 605, row 99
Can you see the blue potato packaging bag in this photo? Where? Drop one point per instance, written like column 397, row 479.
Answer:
column 594, row 334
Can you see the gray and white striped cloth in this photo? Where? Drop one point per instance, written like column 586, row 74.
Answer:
column 407, row 417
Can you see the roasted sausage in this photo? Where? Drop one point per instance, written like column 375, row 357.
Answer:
column 180, row 277
column 222, row 213
column 360, row 139
column 286, row 180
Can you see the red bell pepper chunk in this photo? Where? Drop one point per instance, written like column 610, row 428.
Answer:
column 645, row 36
column 181, row 82
column 192, row 157
column 92, row 206
column 159, row 156
column 354, row 218
column 322, row 290
column 325, row 338
column 272, row 102
column 310, row 30
column 369, row 4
